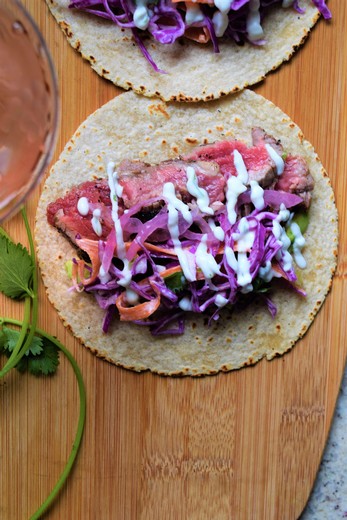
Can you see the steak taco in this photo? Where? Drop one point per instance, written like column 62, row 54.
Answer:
column 186, row 51
column 194, row 249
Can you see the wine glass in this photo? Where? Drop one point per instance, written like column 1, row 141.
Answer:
column 28, row 106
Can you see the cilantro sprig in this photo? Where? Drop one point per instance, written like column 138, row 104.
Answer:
column 16, row 269
column 42, row 357
column 27, row 347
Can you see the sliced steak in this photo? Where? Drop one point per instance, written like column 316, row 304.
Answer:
column 141, row 182
column 259, row 136
column 296, row 178
column 213, row 164
column 64, row 215
column 259, row 164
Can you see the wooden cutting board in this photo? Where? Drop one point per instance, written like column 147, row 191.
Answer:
column 244, row 445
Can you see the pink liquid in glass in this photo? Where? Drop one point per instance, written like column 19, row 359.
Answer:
column 27, row 107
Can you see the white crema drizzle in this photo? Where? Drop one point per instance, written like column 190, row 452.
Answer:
column 298, row 244
column 277, row 159
column 83, row 206
column 281, row 235
column 216, row 230
column 244, row 241
column 115, row 192
column 236, row 186
column 141, row 16
column 185, row 304
column 201, row 195
column 257, row 195
column 174, row 206
column 193, row 14
column 244, row 238
column 254, row 28
column 205, row 260
column 96, row 224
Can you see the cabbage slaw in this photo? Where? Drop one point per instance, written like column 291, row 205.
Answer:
column 200, row 20
column 225, row 258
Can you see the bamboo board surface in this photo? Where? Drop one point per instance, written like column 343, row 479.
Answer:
column 243, row 445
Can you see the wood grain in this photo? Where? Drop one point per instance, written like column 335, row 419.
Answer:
column 244, row 445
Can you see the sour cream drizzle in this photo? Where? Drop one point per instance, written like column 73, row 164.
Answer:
column 244, row 240
column 240, row 166
column 236, row 186
column 241, row 267
column 245, row 237
column 104, row 277
column 96, row 224
column 254, row 28
column 193, row 14
column 266, row 272
column 279, row 232
column 174, row 205
column 141, row 16
column 216, row 230
column 115, row 192
column 185, row 304
column 205, row 260
column 220, row 22
column 83, row 206
column 298, row 244
column 257, row 195
column 277, row 159
column 201, row 195
column 220, row 300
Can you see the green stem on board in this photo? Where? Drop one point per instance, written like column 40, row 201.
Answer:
column 81, row 421
column 30, row 311
column 29, row 323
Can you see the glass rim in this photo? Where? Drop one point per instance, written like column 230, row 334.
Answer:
column 38, row 171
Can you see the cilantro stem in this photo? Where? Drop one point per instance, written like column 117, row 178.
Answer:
column 80, row 425
column 33, row 258
column 31, row 300
column 4, row 234
column 27, row 324
column 13, row 359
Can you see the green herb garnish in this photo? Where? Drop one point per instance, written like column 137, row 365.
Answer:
column 260, row 286
column 301, row 219
column 175, row 282
column 16, row 269
column 27, row 347
column 41, row 358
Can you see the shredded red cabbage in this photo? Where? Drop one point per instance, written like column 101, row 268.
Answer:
column 152, row 259
column 167, row 19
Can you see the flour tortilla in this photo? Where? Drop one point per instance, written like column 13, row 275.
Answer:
column 154, row 131
column 194, row 71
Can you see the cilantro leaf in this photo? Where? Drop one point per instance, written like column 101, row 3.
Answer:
column 10, row 338
column 45, row 363
column 16, row 269
column 176, row 282
column 3, row 340
column 260, row 286
column 42, row 357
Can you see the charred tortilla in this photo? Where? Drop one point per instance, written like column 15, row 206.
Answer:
column 237, row 339
column 193, row 71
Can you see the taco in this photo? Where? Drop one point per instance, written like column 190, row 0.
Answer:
column 201, row 222
column 190, row 51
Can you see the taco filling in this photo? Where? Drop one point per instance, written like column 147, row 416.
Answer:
column 200, row 20
column 209, row 230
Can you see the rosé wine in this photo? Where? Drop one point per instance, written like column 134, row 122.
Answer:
column 28, row 106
